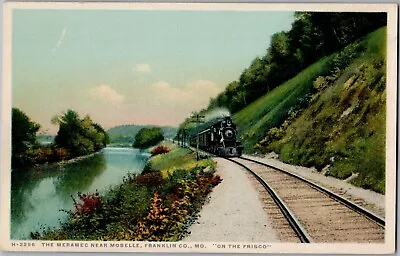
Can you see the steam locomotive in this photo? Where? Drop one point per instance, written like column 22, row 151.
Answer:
column 219, row 137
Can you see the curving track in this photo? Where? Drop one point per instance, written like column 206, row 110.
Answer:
column 315, row 213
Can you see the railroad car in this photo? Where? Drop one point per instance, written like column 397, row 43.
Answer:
column 219, row 137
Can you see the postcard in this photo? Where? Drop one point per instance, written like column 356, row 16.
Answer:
column 199, row 127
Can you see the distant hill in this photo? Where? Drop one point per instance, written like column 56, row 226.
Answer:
column 125, row 134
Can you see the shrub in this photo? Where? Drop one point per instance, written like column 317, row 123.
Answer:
column 344, row 58
column 89, row 204
column 168, row 214
column 152, row 179
column 49, row 154
column 43, row 154
column 161, row 149
column 162, row 223
column 60, row 154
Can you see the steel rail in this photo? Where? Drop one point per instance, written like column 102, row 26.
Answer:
column 293, row 222
column 361, row 210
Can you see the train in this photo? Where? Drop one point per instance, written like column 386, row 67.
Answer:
column 219, row 137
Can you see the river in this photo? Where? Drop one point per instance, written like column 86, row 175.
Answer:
column 38, row 197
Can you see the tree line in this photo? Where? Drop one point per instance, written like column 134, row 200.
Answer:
column 312, row 36
column 76, row 137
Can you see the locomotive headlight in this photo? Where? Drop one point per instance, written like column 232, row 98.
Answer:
column 228, row 134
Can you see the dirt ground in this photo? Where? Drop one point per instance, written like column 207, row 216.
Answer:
column 235, row 211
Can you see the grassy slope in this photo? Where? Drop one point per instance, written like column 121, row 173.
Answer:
column 344, row 126
column 347, row 122
column 271, row 109
column 178, row 158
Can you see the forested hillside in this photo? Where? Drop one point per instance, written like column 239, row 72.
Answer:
column 313, row 35
column 342, row 127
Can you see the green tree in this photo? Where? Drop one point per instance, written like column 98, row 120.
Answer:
column 23, row 139
column 148, row 137
column 279, row 48
column 90, row 132
column 313, row 35
column 67, row 135
column 106, row 138
column 254, row 78
column 79, row 136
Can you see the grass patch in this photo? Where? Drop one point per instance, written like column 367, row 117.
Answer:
column 178, row 158
column 175, row 159
column 271, row 109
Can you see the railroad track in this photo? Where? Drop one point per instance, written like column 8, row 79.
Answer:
column 315, row 214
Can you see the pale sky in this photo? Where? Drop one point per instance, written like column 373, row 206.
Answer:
column 132, row 67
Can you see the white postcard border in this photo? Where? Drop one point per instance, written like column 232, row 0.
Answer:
column 209, row 247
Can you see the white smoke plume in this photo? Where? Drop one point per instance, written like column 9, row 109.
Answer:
column 216, row 113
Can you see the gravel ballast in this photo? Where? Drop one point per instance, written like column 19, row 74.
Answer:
column 371, row 197
column 234, row 212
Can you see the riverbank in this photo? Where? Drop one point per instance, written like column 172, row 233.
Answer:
column 39, row 198
column 158, row 205
column 57, row 162
column 120, row 145
column 67, row 161
column 39, row 169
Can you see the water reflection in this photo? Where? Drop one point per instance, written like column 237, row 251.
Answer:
column 37, row 196
column 79, row 176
